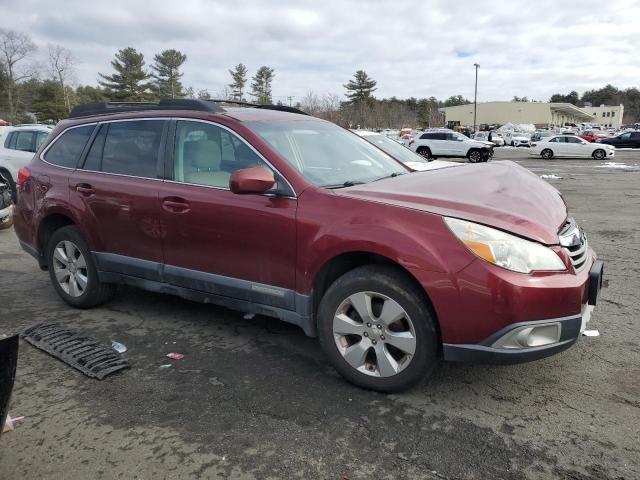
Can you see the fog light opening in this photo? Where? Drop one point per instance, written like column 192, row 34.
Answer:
column 530, row 336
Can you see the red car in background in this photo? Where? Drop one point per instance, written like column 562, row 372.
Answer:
column 278, row 213
column 593, row 135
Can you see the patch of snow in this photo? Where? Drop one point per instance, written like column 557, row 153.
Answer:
column 552, row 176
column 614, row 165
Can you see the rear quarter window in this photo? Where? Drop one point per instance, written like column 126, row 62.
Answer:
column 67, row 149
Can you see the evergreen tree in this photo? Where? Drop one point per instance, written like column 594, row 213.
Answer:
column 49, row 103
column 261, row 85
column 166, row 76
column 129, row 80
column 360, row 88
column 239, row 81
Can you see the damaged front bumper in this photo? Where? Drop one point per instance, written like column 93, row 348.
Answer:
column 528, row 341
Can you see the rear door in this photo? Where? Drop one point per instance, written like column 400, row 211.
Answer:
column 236, row 246
column 19, row 148
column 117, row 189
column 438, row 144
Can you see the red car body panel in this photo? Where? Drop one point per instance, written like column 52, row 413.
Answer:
column 285, row 242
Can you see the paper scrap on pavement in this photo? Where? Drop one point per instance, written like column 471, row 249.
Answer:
column 552, row 176
column 8, row 424
column 591, row 333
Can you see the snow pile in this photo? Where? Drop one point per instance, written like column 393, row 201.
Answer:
column 552, row 176
column 615, row 165
column 518, row 127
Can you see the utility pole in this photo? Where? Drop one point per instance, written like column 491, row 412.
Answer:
column 475, row 98
column 290, row 99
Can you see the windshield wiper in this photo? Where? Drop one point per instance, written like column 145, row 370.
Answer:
column 394, row 174
column 348, row 183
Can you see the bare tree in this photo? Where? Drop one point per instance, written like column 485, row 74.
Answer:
column 14, row 48
column 61, row 67
column 311, row 103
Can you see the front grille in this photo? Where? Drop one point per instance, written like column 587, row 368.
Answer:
column 574, row 242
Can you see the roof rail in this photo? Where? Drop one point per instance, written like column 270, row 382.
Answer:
column 280, row 108
column 108, row 108
column 202, row 105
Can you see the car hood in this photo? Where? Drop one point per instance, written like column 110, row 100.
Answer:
column 499, row 194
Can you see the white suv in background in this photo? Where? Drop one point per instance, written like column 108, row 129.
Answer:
column 447, row 143
column 17, row 147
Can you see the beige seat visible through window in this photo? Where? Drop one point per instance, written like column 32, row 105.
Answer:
column 202, row 164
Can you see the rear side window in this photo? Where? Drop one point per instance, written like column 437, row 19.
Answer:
column 127, row 148
column 25, row 141
column 66, row 150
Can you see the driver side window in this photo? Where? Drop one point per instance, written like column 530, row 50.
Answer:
column 206, row 154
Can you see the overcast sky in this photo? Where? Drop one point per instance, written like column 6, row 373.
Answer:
column 412, row 48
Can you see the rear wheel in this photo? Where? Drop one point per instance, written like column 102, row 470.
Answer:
column 547, row 153
column 377, row 330
column 599, row 154
column 12, row 184
column 73, row 271
column 474, row 156
column 425, row 152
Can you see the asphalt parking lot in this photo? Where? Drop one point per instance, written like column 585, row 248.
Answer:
column 255, row 398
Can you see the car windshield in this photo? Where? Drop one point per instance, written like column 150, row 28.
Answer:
column 394, row 149
column 325, row 154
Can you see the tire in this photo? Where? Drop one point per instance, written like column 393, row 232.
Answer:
column 6, row 225
column 599, row 154
column 67, row 242
column 425, row 152
column 474, row 155
column 12, row 184
column 386, row 286
column 547, row 154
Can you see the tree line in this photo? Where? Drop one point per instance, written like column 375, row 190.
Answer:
column 46, row 91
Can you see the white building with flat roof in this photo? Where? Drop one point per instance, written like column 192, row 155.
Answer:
column 606, row 115
column 538, row 113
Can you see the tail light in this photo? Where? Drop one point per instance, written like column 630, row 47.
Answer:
column 23, row 175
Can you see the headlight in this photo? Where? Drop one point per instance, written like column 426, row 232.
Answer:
column 504, row 250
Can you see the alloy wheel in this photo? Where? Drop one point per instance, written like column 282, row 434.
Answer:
column 475, row 157
column 374, row 334
column 70, row 268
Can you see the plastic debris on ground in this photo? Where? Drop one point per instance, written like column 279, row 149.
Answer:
column 166, row 365
column 591, row 333
column 551, row 176
column 175, row 356
column 118, row 347
column 9, row 423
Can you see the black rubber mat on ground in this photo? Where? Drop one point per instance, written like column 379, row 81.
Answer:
column 82, row 353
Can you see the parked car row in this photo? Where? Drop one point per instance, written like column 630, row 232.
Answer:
column 389, row 266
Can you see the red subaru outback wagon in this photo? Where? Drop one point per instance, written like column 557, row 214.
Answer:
column 270, row 211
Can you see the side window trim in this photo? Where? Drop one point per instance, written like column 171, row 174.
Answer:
column 288, row 191
column 10, row 143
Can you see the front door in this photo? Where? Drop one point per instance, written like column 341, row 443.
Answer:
column 117, row 186
column 235, row 246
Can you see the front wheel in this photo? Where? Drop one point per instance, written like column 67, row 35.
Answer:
column 73, row 271
column 547, row 154
column 474, row 156
column 377, row 330
column 599, row 154
column 425, row 152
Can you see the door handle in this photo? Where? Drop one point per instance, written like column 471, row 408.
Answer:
column 175, row 205
column 85, row 189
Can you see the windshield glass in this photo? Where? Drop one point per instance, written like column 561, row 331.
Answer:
column 326, row 154
column 394, row 149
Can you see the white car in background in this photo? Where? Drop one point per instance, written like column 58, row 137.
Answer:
column 496, row 139
column 447, row 143
column 570, row 146
column 403, row 154
column 17, row 147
